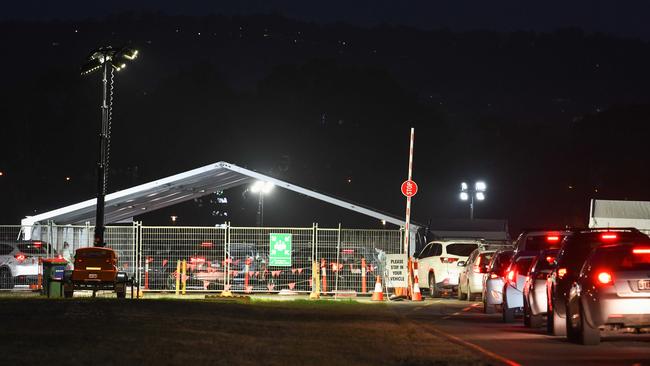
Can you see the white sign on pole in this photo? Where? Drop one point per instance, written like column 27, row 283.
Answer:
column 397, row 265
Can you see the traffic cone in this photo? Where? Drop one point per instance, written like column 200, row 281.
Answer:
column 378, row 295
column 417, row 295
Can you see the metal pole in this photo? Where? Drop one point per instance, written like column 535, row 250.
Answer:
column 471, row 207
column 101, row 165
column 260, row 210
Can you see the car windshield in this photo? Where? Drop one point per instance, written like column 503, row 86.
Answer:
column 461, row 249
column 622, row 257
column 32, row 248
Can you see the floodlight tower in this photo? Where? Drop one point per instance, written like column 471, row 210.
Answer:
column 467, row 193
column 261, row 188
column 108, row 59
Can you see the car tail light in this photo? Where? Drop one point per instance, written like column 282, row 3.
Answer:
column 38, row 244
column 494, row 276
column 477, row 265
column 20, row 257
column 448, row 259
column 608, row 236
column 604, row 278
column 550, row 259
column 561, row 272
column 511, row 276
column 206, row 244
column 641, row 250
column 553, row 238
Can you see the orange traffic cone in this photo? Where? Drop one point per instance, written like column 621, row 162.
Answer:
column 417, row 295
column 378, row 295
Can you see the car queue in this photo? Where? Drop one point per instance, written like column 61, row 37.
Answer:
column 583, row 281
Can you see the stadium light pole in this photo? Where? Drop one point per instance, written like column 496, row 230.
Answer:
column 261, row 188
column 107, row 59
column 469, row 193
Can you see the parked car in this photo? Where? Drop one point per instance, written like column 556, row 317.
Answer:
column 438, row 263
column 494, row 279
column 19, row 262
column 535, row 302
column 612, row 291
column 575, row 250
column 470, row 281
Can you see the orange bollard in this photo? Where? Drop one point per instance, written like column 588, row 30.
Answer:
column 364, row 288
column 378, row 294
column 323, row 267
column 246, row 270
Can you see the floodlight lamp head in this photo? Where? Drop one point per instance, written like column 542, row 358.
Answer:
column 464, row 196
column 129, row 53
column 463, row 186
column 480, row 196
column 268, row 187
column 90, row 66
column 480, row 186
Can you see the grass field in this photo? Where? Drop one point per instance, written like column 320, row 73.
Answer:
column 207, row 332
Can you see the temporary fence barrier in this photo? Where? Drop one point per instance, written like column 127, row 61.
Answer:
column 239, row 259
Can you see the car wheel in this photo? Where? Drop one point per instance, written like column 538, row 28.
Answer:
column 460, row 294
column 6, row 279
column 536, row 320
column 526, row 314
column 587, row 334
column 508, row 314
column 556, row 325
column 433, row 290
column 120, row 291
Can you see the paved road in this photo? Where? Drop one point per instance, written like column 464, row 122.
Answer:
column 513, row 344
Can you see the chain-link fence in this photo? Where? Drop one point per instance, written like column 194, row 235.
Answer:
column 240, row 259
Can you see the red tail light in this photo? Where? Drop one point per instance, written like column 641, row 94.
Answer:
column 448, row 260
column 550, row 259
column 553, row 238
column 609, row 236
column 38, row 244
column 206, row 244
column 477, row 265
column 511, row 276
column 20, row 257
column 641, row 250
column 604, row 278
column 561, row 272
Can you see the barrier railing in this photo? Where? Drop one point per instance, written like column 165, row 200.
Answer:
column 239, row 259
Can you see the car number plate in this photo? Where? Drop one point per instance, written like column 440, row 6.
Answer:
column 92, row 275
column 644, row 285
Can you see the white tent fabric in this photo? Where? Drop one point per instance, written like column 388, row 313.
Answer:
column 135, row 201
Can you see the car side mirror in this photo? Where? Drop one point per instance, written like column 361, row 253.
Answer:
column 461, row 264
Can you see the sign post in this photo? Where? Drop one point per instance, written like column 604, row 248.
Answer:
column 280, row 250
column 409, row 189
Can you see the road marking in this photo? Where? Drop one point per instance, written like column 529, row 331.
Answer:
column 473, row 346
column 449, row 316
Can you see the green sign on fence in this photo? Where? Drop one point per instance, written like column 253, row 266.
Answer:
column 280, row 251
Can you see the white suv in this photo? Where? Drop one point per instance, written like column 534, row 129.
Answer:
column 438, row 263
column 19, row 262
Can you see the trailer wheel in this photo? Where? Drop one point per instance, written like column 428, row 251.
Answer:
column 120, row 290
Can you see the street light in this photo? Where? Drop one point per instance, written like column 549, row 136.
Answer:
column 107, row 59
column 467, row 193
column 261, row 188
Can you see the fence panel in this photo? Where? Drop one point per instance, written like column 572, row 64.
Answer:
column 251, row 246
column 327, row 254
column 203, row 249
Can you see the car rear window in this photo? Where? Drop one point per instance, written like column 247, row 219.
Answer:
column 32, row 248
column 622, row 257
column 501, row 262
column 542, row 242
column 523, row 264
column 546, row 261
column 461, row 249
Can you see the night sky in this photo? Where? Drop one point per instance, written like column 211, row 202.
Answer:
column 546, row 102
